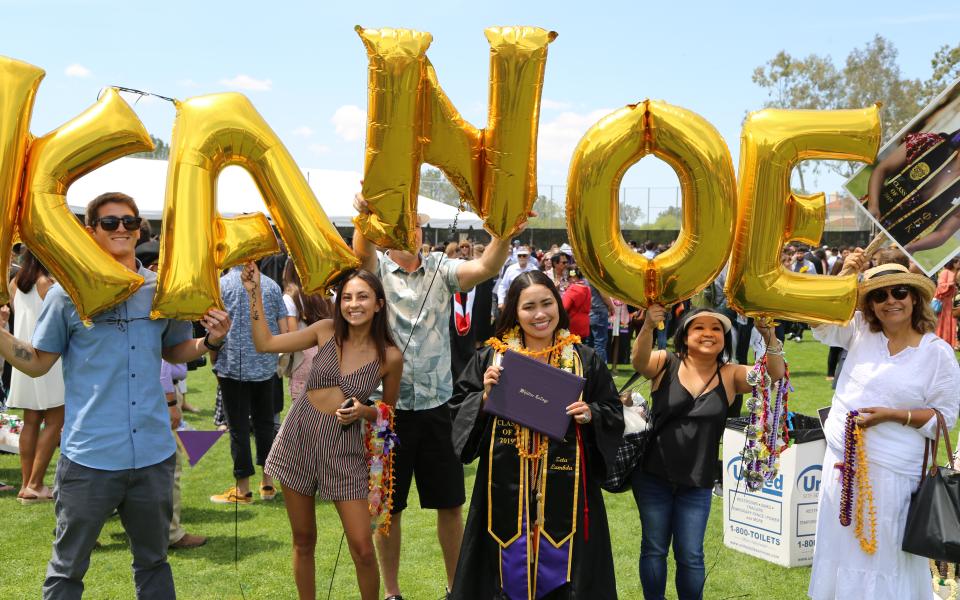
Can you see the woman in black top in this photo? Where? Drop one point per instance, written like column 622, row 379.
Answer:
column 691, row 391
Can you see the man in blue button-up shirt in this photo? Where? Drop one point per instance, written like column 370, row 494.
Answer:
column 117, row 450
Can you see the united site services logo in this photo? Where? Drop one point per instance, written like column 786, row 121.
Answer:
column 809, row 479
column 735, row 467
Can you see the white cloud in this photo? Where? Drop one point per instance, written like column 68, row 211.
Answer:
column 548, row 104
column 319, row 149
column 559, row 136
column 245, row 82
column 350, row 122
column 303, row 131
column 77, row 70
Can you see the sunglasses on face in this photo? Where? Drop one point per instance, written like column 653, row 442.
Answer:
column 130, row 223
column 899, row 292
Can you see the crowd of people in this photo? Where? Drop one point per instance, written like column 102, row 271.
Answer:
column 409, row 349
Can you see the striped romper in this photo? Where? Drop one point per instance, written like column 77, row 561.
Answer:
column 313, row 454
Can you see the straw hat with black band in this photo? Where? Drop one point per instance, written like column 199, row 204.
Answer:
column 894, row 274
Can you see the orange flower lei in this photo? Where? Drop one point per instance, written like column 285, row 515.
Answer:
column 864, row 494
column 560, row 353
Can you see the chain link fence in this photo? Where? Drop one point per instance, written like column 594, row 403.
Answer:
column 659, row 207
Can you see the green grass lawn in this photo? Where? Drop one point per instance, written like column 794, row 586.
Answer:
column 263, row 569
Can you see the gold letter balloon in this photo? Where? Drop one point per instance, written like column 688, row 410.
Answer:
column 210, row 133
column 770, row 215
column 18, row 89
column 703, row 164
column 106, row 131
column 411, row 121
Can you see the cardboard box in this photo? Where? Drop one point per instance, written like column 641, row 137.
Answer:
column 777, row 523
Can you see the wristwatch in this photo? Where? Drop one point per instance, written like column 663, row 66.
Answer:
column 212, row 347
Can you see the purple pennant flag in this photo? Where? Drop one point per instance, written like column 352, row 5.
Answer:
column 196, row 443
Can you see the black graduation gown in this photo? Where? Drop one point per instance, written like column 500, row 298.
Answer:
column 592, row 573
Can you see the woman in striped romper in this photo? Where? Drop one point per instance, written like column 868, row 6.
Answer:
column 320, row 450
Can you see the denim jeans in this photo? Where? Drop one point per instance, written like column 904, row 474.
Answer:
column 599, row 333
column 668, row 512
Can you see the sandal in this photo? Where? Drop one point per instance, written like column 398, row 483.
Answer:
column 30, row 497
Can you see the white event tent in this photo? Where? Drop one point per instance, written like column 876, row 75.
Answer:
column 145, row 180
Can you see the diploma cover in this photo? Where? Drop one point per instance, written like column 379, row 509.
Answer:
column 534, row 394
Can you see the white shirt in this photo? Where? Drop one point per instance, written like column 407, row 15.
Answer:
column 926, row 376
column 509, row 275
column 291, row 306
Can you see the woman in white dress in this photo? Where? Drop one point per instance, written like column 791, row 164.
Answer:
column 896, row 373
column 40, row 398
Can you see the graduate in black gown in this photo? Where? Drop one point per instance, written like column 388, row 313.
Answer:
column 537, row 527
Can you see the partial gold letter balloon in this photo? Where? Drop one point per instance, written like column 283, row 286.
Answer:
column 410, row 121
column 703, row 164
column 18, row 89
column 772, row 143
column 106, row 131
column 210, row 133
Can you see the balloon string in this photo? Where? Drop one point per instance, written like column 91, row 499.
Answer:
column 426, row 296
column 140, row 93
column 236, row 502
column 335, row 563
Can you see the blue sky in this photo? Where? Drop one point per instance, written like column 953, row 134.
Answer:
column 304, row 67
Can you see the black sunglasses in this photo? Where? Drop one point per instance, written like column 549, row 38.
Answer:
column 878, row 296
column 130, row 223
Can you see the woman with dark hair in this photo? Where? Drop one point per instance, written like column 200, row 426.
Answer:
column 320, row 451
column 946, row 290
column 559, row 266
column 40, row 398
column 528, row 534
column 897, row 374
column 691, row 390
column 303, row 310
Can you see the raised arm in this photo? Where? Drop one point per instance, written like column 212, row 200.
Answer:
column 645, row 361
column 776, row 367
column 472, row 272
column 263, row 338
column 362, row 247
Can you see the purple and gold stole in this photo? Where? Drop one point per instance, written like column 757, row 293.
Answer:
column 534, row 560
column 907, row 211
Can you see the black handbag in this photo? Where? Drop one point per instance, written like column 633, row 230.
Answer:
column 933, row 521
